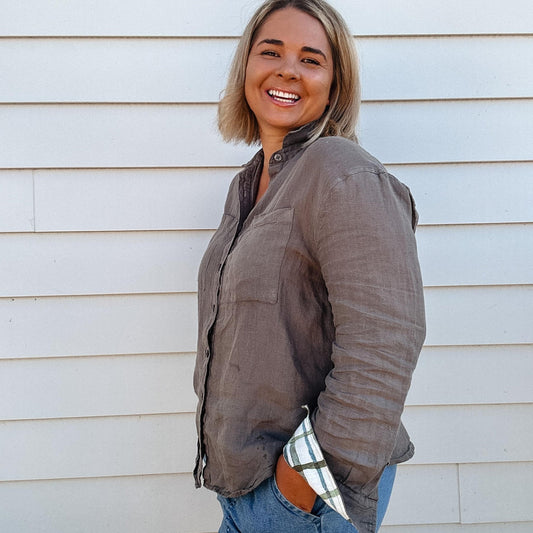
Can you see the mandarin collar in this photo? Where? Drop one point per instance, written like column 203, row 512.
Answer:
column 300, row 135
column 293, row 139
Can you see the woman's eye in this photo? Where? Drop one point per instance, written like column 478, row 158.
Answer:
column 311, row 61
column 269, row 53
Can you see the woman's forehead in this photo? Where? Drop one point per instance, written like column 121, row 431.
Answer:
column 290, row 25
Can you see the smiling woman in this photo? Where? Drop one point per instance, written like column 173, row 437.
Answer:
column 309, row 293
column 235, row 119
column 288, row 81
column 288, row 78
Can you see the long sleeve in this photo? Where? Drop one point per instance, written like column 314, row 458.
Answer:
column 367, row 253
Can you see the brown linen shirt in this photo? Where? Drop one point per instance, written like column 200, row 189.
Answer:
column 313, row 296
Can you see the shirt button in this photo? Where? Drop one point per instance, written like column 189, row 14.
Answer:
column 278, row 157
column 207, row 353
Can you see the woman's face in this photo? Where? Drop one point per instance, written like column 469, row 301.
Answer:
column 289, row 72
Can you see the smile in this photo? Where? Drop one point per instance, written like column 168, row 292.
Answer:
column 282, row 96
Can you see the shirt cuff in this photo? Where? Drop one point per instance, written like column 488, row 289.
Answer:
column 303, row 453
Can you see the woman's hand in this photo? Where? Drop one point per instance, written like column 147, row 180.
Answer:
column 293, row 486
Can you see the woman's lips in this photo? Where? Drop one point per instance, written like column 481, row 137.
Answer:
column 283, row 97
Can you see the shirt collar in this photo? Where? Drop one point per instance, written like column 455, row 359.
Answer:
column 292, row 142
column 300, row 135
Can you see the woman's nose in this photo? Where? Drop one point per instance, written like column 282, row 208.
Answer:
column 289, row 69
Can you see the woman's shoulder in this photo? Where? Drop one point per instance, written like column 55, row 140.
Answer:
column 337, row 161
column 342, row 157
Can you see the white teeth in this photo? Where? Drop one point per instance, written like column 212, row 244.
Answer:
column 283, row 94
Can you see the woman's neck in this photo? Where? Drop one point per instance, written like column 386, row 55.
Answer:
column 271, row 144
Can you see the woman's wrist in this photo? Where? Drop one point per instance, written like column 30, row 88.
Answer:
column 294, row 486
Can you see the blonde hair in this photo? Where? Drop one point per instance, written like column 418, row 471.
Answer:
column 236, row 120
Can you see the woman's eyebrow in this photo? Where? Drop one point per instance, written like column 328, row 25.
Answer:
column 309, row 49
column 276, row 42
column 313, row 51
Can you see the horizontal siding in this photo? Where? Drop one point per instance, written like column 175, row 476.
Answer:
column 150, row 503
column 495, row 527
column 132, row 199
column 437, row 497
column 166, row 443
column 447, row 131
column 98, row 447
column 136, row 504
column 204, row 17
column 449, row 375
column 151, row 70
column 466, row 433
column 167, row 199
column 479, row 315
column 152, row 384
column 54, row 136
column 100, row 263
column 476, row 255
column 484, row 498
column 126, row 324
column 16, row 201
column 423, row 68
column 160, row 262
column 97, row 325
column 471, row 193
column 96, row 386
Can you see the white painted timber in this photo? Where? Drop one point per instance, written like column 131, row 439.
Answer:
column 207, row 18
column 52, row 264
column 132, row 385
column 498, row 492
column 153, row 70
column 16, row 201
column 127, row 324
column 150, row 384
column 499, row 527
column 102, row 136
column 52, row 136
column 132, row 199
column 446, row 67
column 443, row 131
column 471, row 433
column 470, row 193
column 139, row 199
column 97, row 325
column 424, row 495
column 97, row 447
column 476, row 254
column 133, row 504
column 114, row 70
column 454, row 375
column 479, row 315
column 96, row 386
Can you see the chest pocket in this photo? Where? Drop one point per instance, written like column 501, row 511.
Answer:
column 252, row 271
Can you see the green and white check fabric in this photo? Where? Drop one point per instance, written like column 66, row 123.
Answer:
column 303, row 453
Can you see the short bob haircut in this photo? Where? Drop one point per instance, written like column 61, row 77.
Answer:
column 236, row 120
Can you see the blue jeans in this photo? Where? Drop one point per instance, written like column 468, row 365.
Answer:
column 266, row 510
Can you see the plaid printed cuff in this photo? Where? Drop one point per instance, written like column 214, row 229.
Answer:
column 303, row 453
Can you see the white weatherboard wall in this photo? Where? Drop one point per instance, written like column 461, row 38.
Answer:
column 112, row 179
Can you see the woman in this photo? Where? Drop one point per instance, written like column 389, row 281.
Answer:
column 309, row 293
